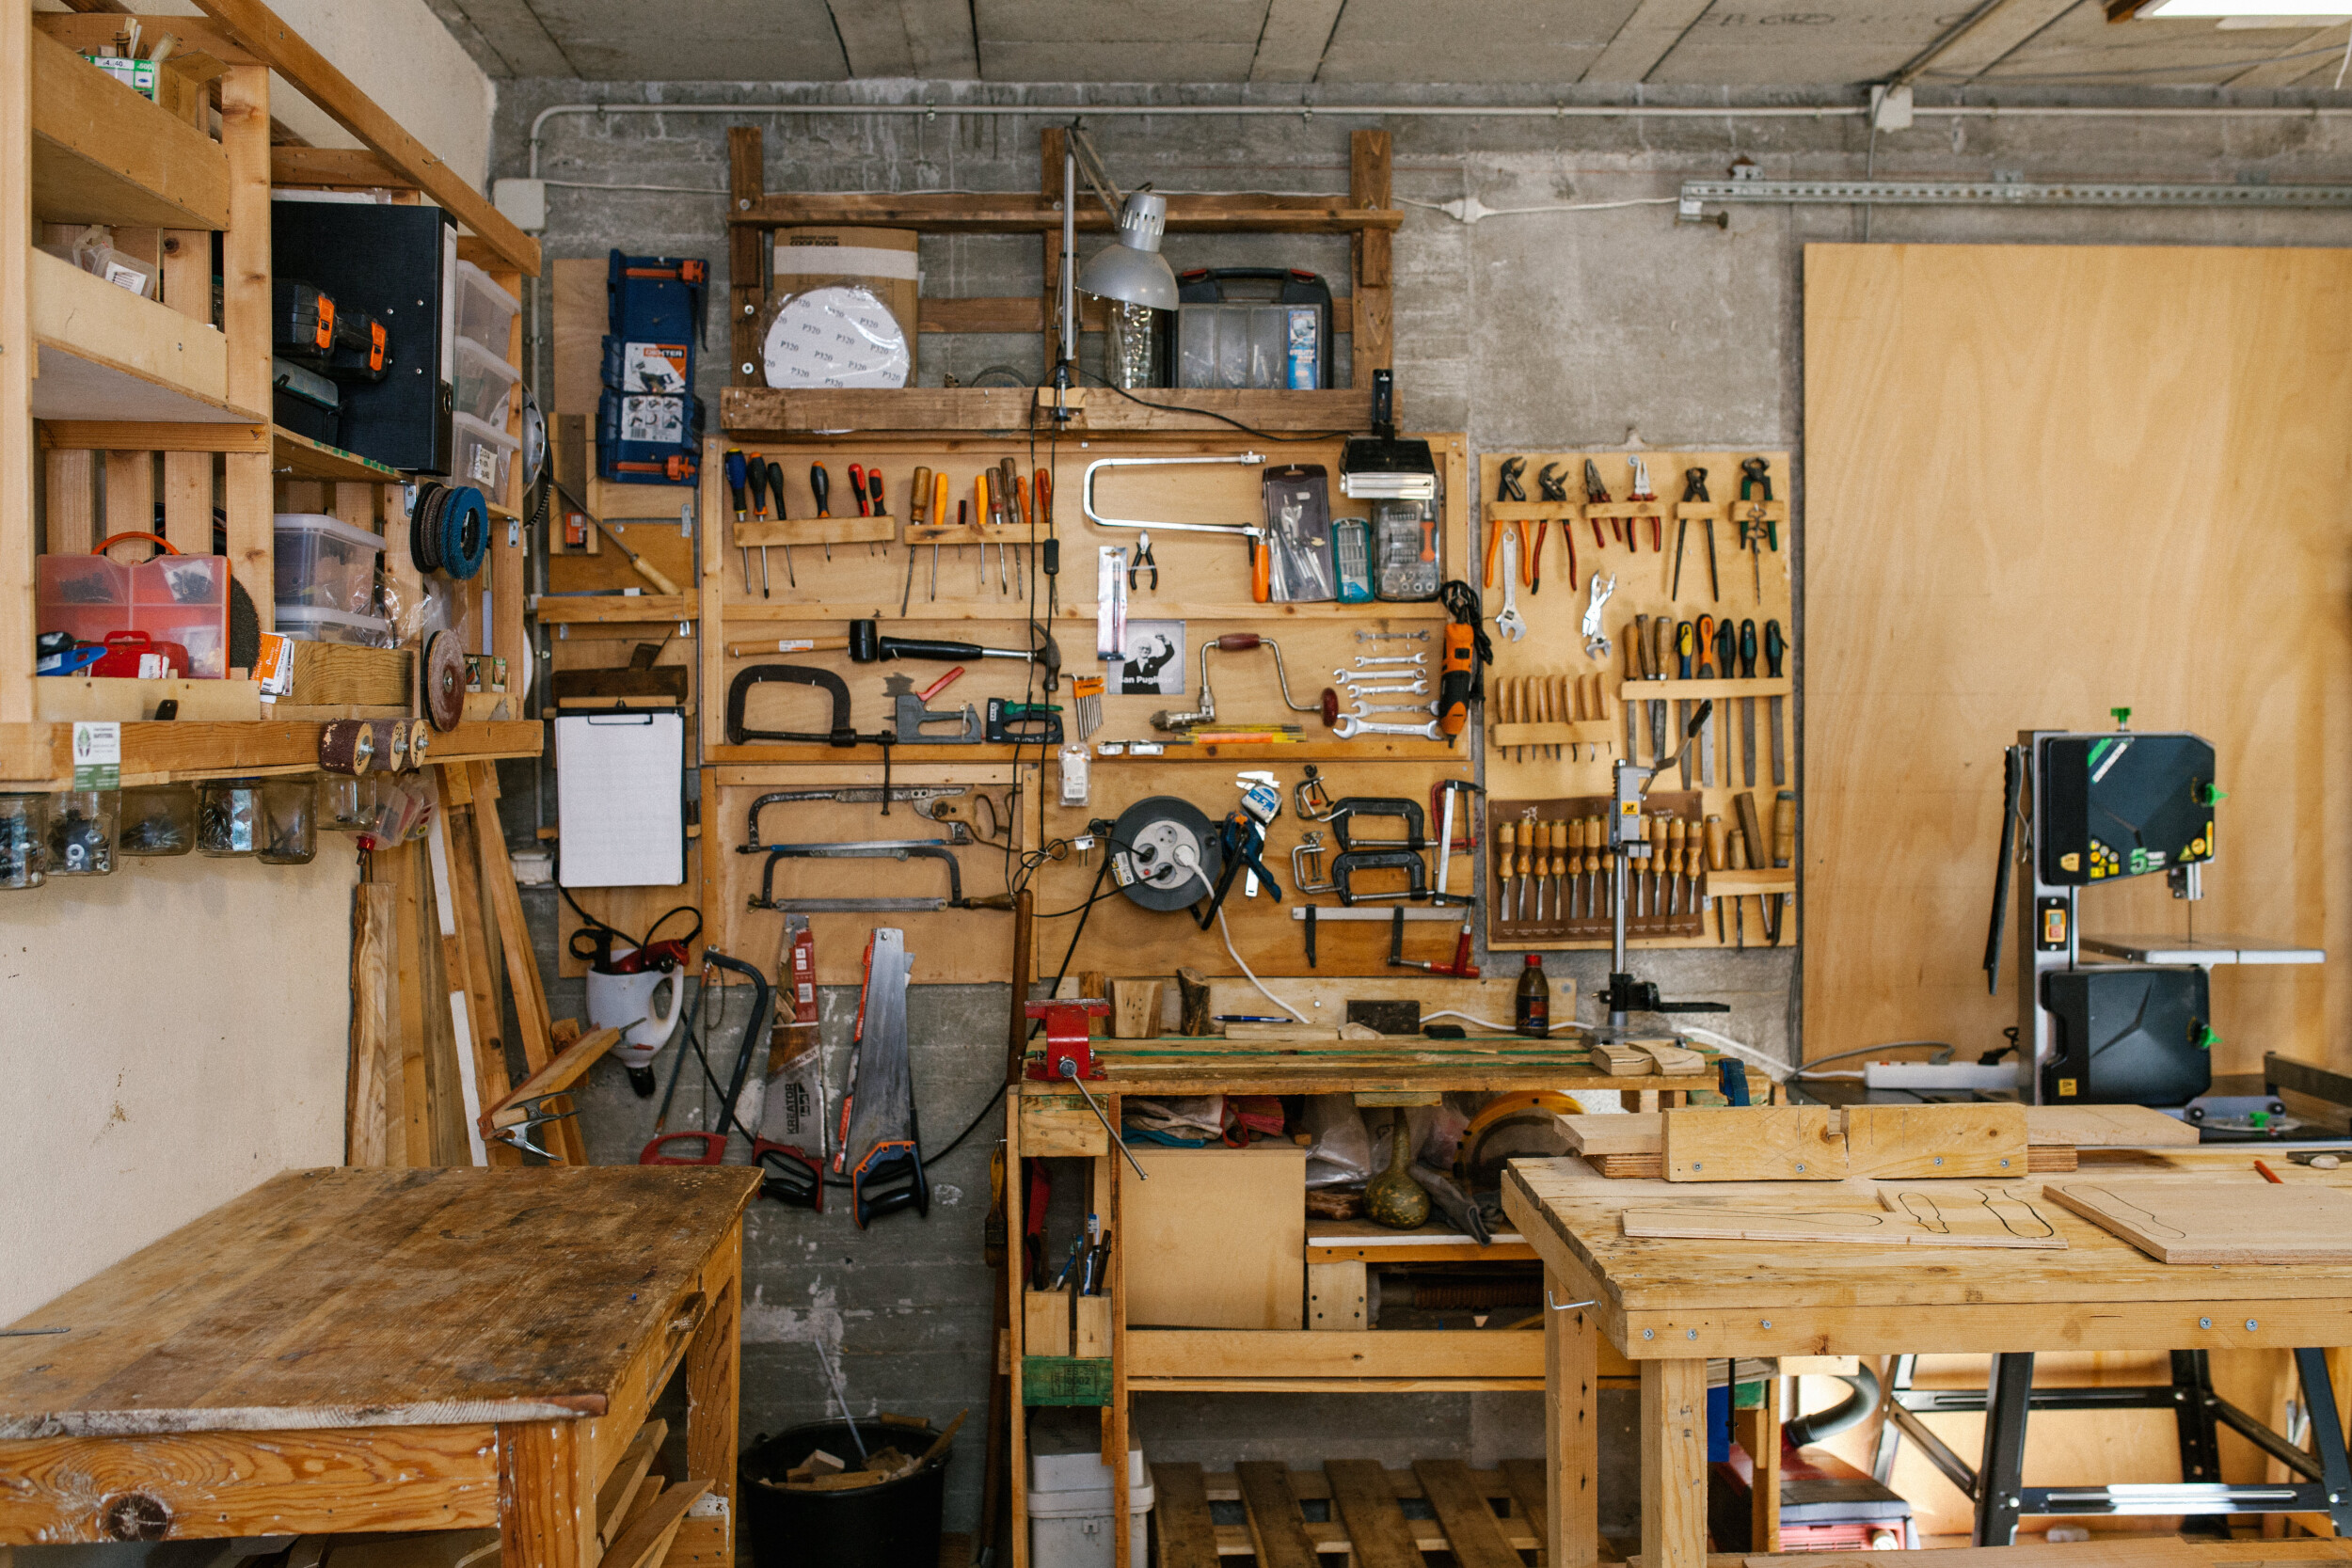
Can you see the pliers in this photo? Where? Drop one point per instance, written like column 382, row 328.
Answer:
column 1142, row 557
column 1551, row 486
column 1508, row 486
column 1494, row 542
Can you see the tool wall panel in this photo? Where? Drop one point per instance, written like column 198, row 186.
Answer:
column 1558, row 713
column 948, row 946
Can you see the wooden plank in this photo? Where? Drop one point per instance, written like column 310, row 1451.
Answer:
column 547, row 1495
column 1627, row 1132
column 90, row 319
column 1570, row 1484
column 335, row 674
column 248, row 1319
column 1187, row 1532
column 1673, row 1464
column 2218, row 1220
column 522, row 964
column 1377, row 1535
column 2108, row 1127
column 714, row 1367
column 1530, row 1501
column 1900, row 628
column 343, row 168
column 1755, row 1143
column 1888, row 1141
column 252, row 25
column 747, row 260
column 1164, row 1356
column 1337, row 1297
column 646, row 1540
column 103, row 153
column 151, row 435
column 773, row 414
column 957, row 213
column 248, row 496
column 130, row 495
column 38, row 753
column 1471, row 1529
column 1218, row 1236
column 1374, row 289
column 566, row 1067
column 73, row 501
column 188, row 502
column 224, row 1483
column 1960, row 1217
column 375, row 1113
column 1277, row 1526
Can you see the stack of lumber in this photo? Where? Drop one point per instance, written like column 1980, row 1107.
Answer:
column 1767, row 1143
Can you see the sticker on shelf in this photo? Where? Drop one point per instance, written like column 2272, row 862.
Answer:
column 96, row 753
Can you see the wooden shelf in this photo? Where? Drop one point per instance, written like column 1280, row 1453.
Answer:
column 40, row 756
column 1140, row 607
column 598, row 610
column 771, row 414
column 108, row 355
column 104, row 153
column 300, row 457
column 961, row 212
column 1242, row 1360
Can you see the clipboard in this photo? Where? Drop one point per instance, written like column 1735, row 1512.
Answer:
column 621, row 799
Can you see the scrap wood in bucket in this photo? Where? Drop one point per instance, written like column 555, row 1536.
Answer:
column 823, row 1472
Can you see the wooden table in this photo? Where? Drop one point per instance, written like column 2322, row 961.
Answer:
column 1668, row 1306
column 392, row 1350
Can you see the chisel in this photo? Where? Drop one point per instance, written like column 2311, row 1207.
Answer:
column 1662, row 634
column 1686, row 648
column 1736, row 859
column 1505, row 835
column 1752, row 834
column 1706, row 630
column 1715, row 862
column 1774, row 646
column 1636, row 656
column 1784, row 851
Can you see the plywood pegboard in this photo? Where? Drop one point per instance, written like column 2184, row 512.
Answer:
column 1556, row 718
column 948, row 946
column 1124, row 939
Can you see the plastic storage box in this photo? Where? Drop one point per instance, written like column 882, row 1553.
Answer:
column 1069, row 1503
column 479, row 453
column 324, row 563
column 485, row 311
column 312, row 624
column 486, row 383
column 173, row 598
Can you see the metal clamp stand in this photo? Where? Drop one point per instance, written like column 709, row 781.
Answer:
column 2010, row 1397
column 1629, row 782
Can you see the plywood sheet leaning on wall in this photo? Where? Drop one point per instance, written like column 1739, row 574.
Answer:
column 2028, row 472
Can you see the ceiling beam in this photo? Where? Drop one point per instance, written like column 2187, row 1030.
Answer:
column 932, row 40
column 1644, row 40
column 1292, row 39
column 1998, row 36
column 2286, row 73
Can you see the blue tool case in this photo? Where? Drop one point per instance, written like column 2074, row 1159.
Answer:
column 649, row 422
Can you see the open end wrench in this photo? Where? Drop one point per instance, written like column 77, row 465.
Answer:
column 1365, row 710
column 1349, row 727
column 1419, row 689
column 1510, row 623
column 1595, row 644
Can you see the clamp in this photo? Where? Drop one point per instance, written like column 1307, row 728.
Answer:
column 1242, row 838
column 1379, row 805
column 1348, row 861
column 1069, row 1059
column 1142, row 557
column 512, row 1123
column 841, row 734
column 1313, row 802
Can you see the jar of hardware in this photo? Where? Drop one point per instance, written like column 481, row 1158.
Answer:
column 23, row 832
column 348, row 803
column 290, row 821
column 157, row 819
column 229, row 817
column 82, row 831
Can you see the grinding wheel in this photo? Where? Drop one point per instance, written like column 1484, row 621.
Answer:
column 444, row 680
column 421, row 537
column 1168, row 855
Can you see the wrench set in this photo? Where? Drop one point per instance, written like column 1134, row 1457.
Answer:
column 1618, row 603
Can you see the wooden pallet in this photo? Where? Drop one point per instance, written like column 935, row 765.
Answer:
column 1483, row 1518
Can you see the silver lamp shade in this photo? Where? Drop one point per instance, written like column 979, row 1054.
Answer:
column 1133, row 271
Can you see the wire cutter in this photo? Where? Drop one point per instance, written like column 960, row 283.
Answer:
column 1142, row 557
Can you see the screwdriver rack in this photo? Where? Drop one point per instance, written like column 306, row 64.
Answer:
column 1566, row 872
column 1557, row 718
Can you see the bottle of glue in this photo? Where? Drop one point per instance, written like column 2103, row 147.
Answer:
column 1531, row 1011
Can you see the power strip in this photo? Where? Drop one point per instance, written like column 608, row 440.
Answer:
column 1931, row 1075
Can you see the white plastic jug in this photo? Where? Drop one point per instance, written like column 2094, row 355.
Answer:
column 625, row 1002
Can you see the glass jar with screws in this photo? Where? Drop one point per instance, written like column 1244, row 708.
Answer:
column 157, row 819
column 23, row 829
column 229, row 817
column 82, row 831
column 348, row 803
column 290, row 821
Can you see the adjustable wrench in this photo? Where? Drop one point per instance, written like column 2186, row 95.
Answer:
column 1510, row 623
column 1597, row 644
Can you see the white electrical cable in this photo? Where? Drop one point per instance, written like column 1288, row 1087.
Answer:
column 1228, row 935
column 1779, row 1072
column 1468, row 209
column 1473, row 1018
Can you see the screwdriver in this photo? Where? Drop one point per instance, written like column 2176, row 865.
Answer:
column 775, row 490
column 983, row 516
column 820, row 487
column 918, row 513
column 939, row 519
column 736, row 475
column 874, row 493
column 756, row 472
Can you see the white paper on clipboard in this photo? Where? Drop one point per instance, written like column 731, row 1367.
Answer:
column 621, row 799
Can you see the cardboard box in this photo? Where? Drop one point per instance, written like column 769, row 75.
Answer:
column 1216, row 1237
column 882, row 262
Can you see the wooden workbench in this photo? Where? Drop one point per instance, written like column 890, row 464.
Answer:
column 1049, row 1120
column 1667, row 1306
column 389, row 1350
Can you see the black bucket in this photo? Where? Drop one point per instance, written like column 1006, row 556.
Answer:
column 893, row 1525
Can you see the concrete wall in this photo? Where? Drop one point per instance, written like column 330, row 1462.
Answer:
column 1553, row 329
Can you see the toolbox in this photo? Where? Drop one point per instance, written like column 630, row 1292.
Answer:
column 1251, row 327
column 649, row 422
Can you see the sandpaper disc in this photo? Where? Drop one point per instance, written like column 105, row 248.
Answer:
column 421, row 537
column 444, row 680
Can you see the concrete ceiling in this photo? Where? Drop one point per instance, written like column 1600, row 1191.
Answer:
column 1339, row 43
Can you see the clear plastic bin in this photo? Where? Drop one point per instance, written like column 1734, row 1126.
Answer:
column 480, row 456
column 324, row 563
column 85, row 595
column 184, row 599
column 485, row 313
column 313, row 624
column 486, row 383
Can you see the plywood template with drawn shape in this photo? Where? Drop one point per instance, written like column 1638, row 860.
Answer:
column 1935, row 1140
column 1755, row 1143
column 1973, row 1214
column 2177, row 1221
column 1944, row 1222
